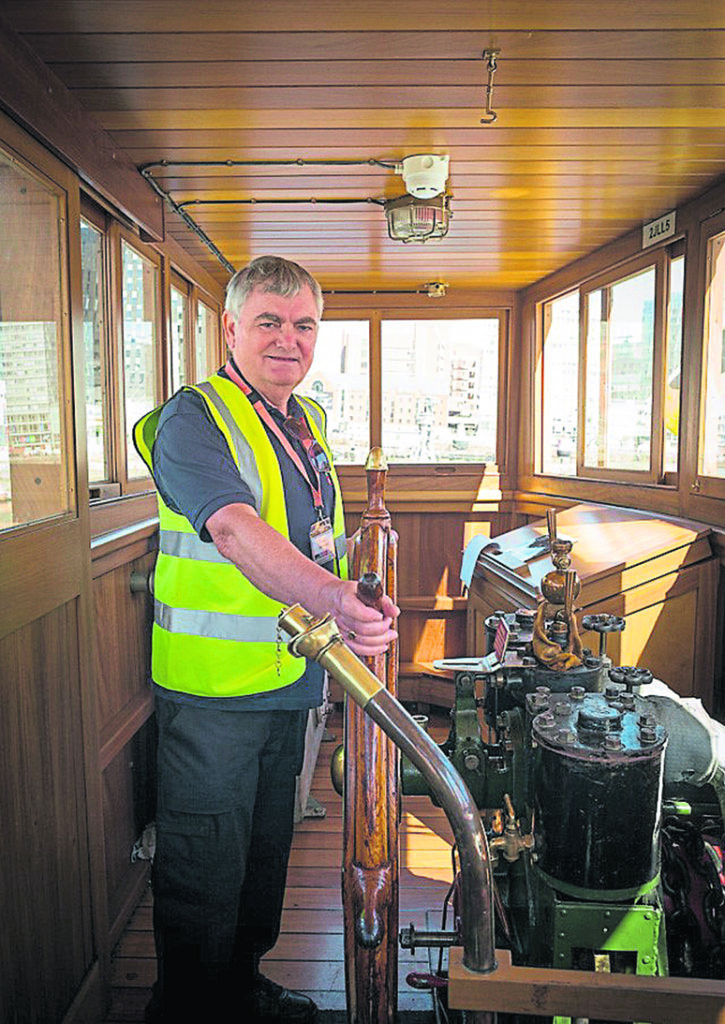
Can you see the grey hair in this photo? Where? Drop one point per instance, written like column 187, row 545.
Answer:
column 271, row 274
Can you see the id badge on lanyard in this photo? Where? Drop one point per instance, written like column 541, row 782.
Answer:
column 322, row 541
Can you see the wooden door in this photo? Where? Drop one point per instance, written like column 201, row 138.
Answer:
column 52, row 938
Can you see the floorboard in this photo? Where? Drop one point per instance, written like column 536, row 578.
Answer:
column 309, row 955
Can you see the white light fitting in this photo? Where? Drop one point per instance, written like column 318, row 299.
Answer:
column 425, row 175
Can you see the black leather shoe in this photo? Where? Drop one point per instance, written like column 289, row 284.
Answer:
column 271, row 1002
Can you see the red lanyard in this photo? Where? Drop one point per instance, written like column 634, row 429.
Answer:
column 269, row 421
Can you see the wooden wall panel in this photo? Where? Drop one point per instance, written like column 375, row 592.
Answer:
column 46, row 940
column 128, row 806
column 123, row 642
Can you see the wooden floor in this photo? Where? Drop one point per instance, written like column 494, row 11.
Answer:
column 309, row 954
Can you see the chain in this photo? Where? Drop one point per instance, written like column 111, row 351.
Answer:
column 278, row 657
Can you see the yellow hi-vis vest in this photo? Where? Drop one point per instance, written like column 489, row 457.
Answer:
column 215, row 634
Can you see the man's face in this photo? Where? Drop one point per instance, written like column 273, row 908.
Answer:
column 273, row 340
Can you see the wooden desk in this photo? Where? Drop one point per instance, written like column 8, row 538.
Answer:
column 659, row 573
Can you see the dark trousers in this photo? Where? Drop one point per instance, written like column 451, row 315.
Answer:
column 224, row 830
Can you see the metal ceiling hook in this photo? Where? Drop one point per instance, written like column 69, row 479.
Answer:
column 489, row 114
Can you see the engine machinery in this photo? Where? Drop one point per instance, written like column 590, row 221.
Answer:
column 586, row 801
column 602, row 796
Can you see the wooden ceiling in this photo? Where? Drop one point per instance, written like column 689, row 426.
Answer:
column 609, row 113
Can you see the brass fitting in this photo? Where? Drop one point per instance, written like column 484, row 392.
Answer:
column 320, row 640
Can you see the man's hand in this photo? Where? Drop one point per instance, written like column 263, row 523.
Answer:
column 278, row 569
column 365, row 630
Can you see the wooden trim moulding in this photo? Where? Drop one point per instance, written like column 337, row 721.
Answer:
column 120, row 513
column 123, row 727
column 657, row 498
column 33, row 95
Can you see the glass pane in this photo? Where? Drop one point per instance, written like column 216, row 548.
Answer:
column 618, row 403
column 139, row 346
column 207, row 336
column 34, row 451
column 673, row 365
column 712, row 456
column 560, row 405
column 339, row 380
column 179, row 320
column 93, row 334
column 440, row 390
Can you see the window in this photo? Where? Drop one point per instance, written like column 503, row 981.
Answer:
column 673, row 365
column 339, row 380
column 610, row 373
column 178, row 337
column 618, row 386
column 560, row 374
column 712, row 444
column 440, row 389
column 35, row 474
column 140, row 305
column 206, row 349
column 426, row 389
column 94, row 334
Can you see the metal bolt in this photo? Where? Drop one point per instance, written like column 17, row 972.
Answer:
column 577, row 693
column 546, row 721
column 561, row 708
column 471, row 762
column 612, row 742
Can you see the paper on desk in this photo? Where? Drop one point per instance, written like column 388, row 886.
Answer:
column 516, row 559
column 470, row 556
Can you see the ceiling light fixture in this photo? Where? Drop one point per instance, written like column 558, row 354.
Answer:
column 417, row 220
column 425, row 211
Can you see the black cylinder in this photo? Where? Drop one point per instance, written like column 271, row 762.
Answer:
column 597, row 783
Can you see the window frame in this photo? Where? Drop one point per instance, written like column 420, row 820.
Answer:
column 184, row 287
column 703, row 486
column 660, row 258
column 43, row 169
column 375, row 317
column 214, row 353
column 99, row 219
column 140, row 484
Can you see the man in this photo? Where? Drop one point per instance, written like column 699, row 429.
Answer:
column 251, row 520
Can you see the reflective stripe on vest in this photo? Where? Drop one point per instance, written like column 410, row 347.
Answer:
column 245, row 455
column 189, row 545
column 243, row 629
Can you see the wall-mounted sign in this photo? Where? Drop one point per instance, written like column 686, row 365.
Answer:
column 657, row 230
